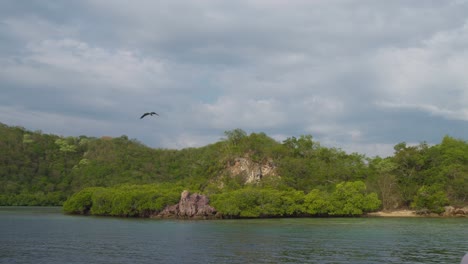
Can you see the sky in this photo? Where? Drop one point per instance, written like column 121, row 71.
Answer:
column 359, row 75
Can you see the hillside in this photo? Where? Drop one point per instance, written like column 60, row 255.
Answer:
column 44, row 169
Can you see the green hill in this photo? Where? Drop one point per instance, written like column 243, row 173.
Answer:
column 264, row 177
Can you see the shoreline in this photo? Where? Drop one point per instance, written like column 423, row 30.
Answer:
column 396, row 213
column 403, row 213
column 409, row 213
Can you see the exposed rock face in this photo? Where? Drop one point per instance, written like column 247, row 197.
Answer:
column 253, row 171
column 452, row 211
column 193, row 206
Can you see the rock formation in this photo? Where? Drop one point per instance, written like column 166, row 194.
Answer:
column 452, row 211
column 252, row 171
column 190, row 206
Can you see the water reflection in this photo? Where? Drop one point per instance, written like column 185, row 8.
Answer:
column 44, row 235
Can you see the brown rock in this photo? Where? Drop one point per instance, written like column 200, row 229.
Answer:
column 449, row 211
column 191, row 206
column 453, row 211
column 459, row 211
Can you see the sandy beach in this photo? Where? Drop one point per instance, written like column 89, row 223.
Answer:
column 398, row 213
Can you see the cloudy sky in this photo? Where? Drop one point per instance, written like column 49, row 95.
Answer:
column 360, row 75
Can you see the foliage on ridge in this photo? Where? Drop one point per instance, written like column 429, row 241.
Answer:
column 45, row 169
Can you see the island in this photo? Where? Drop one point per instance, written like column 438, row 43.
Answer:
column 241, row 176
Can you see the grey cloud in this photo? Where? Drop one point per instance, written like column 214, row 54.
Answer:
column 429, row 77
column 359, row 74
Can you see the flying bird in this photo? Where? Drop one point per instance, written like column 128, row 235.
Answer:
column 149, row 113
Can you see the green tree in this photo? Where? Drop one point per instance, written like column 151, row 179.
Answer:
column 387, row 183
column 81, row 202
column 411, row 163
column 317, row 202
column 350, row 198
column 431, row 198
column 257, row 202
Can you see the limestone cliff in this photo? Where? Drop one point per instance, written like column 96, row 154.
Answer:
column 252, row 171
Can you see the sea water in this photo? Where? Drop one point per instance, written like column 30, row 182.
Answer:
column 46, row 235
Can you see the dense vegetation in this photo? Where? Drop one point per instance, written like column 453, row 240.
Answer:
column 348, row 199
column 124, row 200
column 120, row 176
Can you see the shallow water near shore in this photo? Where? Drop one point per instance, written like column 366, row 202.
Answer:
column 45, row 235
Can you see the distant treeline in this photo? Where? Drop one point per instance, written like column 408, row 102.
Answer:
column 44, row 169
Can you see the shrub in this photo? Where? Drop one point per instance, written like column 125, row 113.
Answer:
column 81, row 202
column 257, row 202
column 431, row 198
column 316, row 202
column 350, row 198
column 125, row 200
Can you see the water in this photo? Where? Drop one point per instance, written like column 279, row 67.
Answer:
column 45, row 235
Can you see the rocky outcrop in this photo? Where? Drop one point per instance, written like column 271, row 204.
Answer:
column 452, row 211
column 190, row 206
column 252, row 171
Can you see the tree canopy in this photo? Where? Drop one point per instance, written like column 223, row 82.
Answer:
column 100, row 175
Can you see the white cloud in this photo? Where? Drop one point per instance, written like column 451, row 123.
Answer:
column 119, row 70
column 55, row 123
column 185, row 140
column 382, row 150
column 231, row 112
column 72, row 72
column 459, row 114
column 430, row 77
column 29, row 28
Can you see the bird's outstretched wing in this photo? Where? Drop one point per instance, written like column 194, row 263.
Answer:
column 149, row 113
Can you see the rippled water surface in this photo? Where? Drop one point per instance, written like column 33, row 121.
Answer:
column 45, row 235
